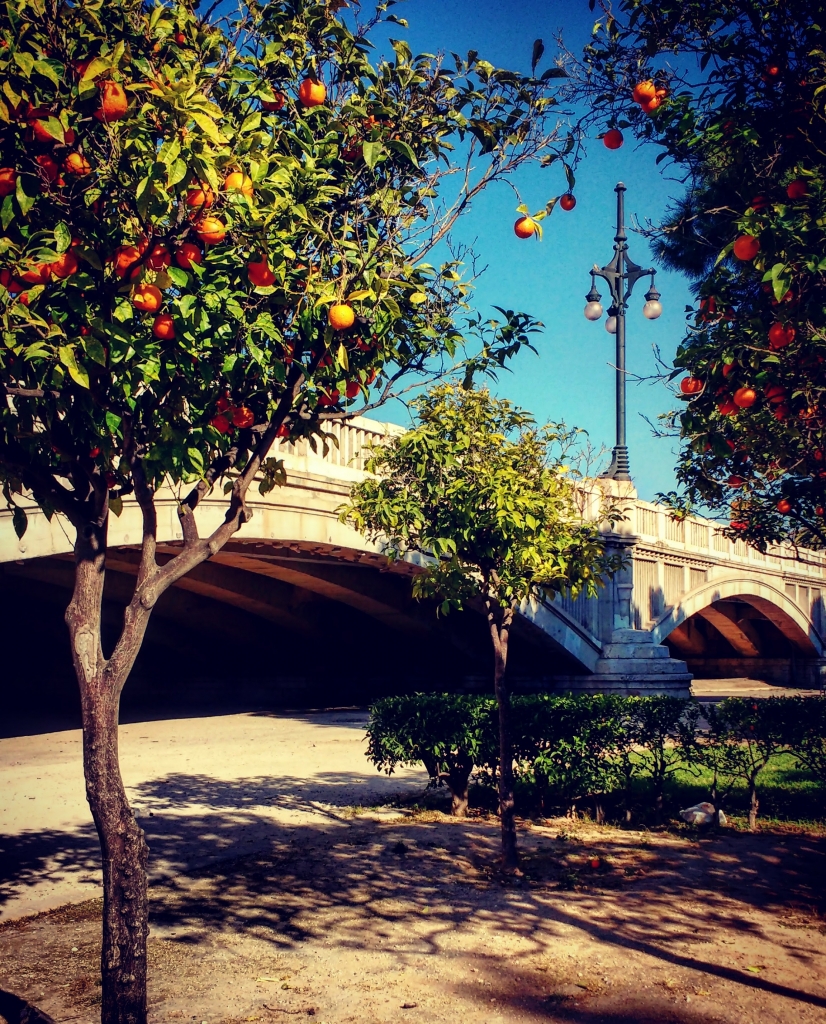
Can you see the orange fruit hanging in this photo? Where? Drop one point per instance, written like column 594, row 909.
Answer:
column 341, row 316
column 147, row 298
column 524, row 227
column 260, row 274
column 746, row 247
column 239, row 182
column 187, row 254
column 164, row 327
column 8, row 181
column 210, row 230
column 113, row 102
column 312, row 93
column 76, row 163
column 65, row 265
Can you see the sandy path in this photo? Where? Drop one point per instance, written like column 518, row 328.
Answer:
column 203, row 788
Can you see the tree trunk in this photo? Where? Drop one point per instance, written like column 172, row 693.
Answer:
column 499, row 620
column 457, row 782
column 123, row 848
column 754, row 805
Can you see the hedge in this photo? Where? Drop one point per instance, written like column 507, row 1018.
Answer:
column 570, row 749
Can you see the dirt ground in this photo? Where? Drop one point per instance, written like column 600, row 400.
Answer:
column 401, row 917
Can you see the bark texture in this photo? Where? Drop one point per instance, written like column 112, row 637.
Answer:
column 457, row 780
column 754, row 805
column 124, row 851
column 499, row 622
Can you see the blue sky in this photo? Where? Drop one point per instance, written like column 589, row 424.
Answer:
column 572, row 379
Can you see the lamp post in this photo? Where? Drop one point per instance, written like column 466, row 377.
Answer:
column 621, row 274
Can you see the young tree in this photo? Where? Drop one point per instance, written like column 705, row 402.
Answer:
column 476, row 486
column 733, row 94
column 450, row 734
column 214, row 235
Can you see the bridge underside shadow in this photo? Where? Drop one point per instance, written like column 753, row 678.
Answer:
column 734, row 630
column 262, row 626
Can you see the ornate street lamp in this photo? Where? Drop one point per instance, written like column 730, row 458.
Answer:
column 621, row 274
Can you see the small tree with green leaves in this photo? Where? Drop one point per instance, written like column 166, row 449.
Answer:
column 744, row 736
column 450, row 734
column 661, row 731
column 492, row 500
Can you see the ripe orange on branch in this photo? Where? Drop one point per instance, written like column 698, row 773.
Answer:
column 691, row 386
column 36, row 273
column 8, row 181
column 568, row 201
column 276, row 104
column 113, row 102
column 243, row 417
column 341, row 316
column 76, row 163
column 312, row 93
column 211, row 230
column 644, row 91
column 188, row 253
column 781, row 335
column 159, row 258
column 525, row 227
column 260, row 274
column 613, row 139
column 746, row 247
column 200, row 197
column 147, row 298
column 124, row 258
column 745, row 397
column 237, row 181
column 65, row 265
column 164, row 327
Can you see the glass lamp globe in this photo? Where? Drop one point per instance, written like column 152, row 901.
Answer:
column 593, row 311
column 611, row 325
column 652, row 309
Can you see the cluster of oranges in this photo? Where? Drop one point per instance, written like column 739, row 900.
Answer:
column 229, row 416
column 649, row 95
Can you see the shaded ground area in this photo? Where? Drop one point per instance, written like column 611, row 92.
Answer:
column 368, row 920
column 203, row 789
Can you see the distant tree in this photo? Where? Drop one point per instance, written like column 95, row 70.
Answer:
column 734, row 94
column 215, row 232
column 492, row 500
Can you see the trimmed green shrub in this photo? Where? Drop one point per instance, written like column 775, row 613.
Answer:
column 448, row 733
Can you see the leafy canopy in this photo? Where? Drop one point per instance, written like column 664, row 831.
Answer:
column 151, row 156
column 742, row 120
column 489, row 495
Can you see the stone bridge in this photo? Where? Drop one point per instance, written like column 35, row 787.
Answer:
column 301, row 605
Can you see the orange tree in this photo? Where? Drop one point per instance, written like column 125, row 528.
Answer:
column 491, row 500
column 214, row 235
column 733, row 93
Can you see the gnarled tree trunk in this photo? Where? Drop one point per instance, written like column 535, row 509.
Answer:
column 499, row 622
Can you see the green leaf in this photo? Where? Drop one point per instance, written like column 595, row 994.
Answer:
column 24, row 202
column 43, row 67
column 62, row 237
column 371, row 151
column 178, row 276
column 116, row 506
column 24, row 61
column 67, row 357
column 208, row 126
column 402, row 147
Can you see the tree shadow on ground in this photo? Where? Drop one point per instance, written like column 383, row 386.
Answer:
column 192, row 820
column 411, row 886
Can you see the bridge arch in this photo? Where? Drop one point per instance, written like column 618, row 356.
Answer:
column 768, row 600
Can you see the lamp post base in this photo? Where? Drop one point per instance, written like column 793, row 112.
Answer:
column 620, row 466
